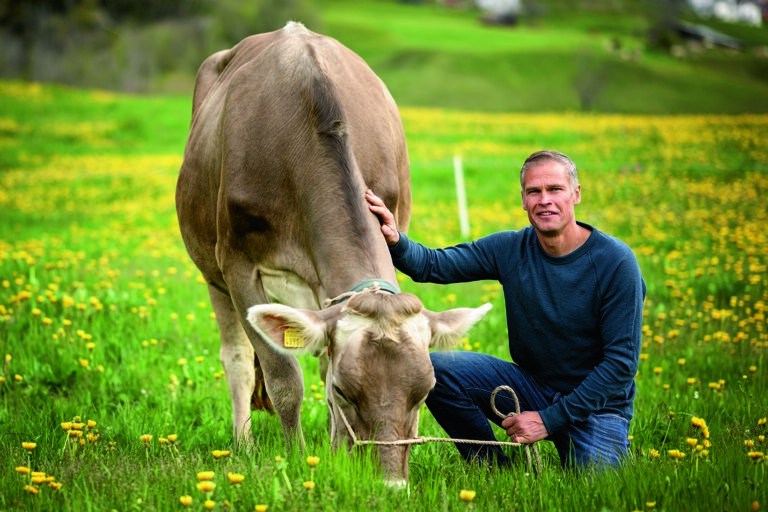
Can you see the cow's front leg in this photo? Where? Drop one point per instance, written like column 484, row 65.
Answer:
column 237, row 357
column 285, row 386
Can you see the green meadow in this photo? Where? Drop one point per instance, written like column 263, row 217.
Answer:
column 112, row 396
column 105, row 323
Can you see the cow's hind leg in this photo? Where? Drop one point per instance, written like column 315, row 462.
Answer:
column 237, row 357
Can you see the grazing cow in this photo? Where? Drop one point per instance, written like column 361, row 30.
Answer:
column 288, row 130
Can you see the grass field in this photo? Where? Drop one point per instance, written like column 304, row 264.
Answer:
column 110, row 349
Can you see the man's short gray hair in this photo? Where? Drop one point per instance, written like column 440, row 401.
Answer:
column 544, row 155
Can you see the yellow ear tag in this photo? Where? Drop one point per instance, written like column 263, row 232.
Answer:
column 292, row 338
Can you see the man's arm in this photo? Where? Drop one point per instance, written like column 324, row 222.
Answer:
column 455, row 264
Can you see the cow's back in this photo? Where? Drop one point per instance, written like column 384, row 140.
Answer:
column 287, row 127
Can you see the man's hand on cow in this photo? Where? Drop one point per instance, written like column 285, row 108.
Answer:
column 526, row 427
column 386, row 219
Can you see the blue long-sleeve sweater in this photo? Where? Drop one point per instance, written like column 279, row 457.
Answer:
column 574, row 322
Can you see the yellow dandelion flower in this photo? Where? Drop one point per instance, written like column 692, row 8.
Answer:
column 657, row 370
column 262, row 508
column 78, row 425
column 205, row 475
column 755, row 455
column 18, row 378
column 749, row 443
column 206, row 486
column 309, row 485
column 753, row 369
column 654, row 454
column 313, row 461
column 467, row 495
column 707, row 443
column 55, row 485
column 210, row 504
column 186, row 500
column 217, row 454
column 146, row 438
column 692, row 442
column 84, row 362
column 235, row 478
column 162, row 440
column 39, row 479
column 31, row 489
column 691, row 381
column 279, row 459
column 762, row 421
column 23, row 470
column 91, row 424
column 172, row 437
column 676, row 454
column 755, row 506
column 28, row 446
column 650, row 504
column 681, row 361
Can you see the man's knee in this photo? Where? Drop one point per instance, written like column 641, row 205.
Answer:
column 599, row 441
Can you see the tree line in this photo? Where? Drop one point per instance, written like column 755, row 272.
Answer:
column 133, row 45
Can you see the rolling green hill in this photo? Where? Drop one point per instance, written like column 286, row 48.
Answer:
column 586, row 59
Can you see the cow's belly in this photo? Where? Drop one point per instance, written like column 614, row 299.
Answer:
column 286, row 287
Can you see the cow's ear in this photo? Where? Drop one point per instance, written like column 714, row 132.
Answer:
column 448, row 327
column 289, row 329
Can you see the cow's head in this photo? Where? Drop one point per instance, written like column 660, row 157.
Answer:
column 379, row 373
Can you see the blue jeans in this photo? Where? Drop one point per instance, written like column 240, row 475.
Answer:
column 461, row 404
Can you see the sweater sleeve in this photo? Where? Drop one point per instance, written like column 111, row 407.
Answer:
column 455, row 264
column 621, row 314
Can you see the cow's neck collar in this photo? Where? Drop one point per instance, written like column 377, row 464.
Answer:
column 375, row 284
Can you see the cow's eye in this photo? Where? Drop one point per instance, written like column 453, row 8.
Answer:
column 340, row 394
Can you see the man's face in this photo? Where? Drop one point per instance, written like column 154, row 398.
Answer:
column 549, row 198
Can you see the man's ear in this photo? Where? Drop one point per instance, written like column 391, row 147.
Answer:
column 448, row 327
column 292, row 330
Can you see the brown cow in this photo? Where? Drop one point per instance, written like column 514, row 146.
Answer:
column 288, row 130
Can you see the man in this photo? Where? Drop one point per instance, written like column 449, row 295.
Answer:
column 574, row 300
